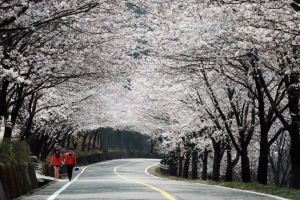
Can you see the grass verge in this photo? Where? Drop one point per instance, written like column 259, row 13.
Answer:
column 253, row 186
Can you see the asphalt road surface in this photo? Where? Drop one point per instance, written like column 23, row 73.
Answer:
column 128, row 179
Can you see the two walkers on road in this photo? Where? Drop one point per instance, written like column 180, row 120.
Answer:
column 69, row 160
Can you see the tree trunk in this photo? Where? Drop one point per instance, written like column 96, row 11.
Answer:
column 95, row 139
column 91, row 135
column 204, row 170
column 14, row 113
column 229, row 168
column 3, row 94
column 84, row 137
column 36, row 144
column 44, row 147
column 26, row 132
column 295, row 156
column 75, row 143
column 7, row 132
column 262, row 170
column 246, row 174
column 68, row 141
column 175, row 166
column 194, row 165
column 101, row 141
column 63, row 142
column 216, row 164
column 185, row 173
column 230, row 165
column 99, row 137
column 172, row 164
column 152, row 143
column 180, row 166
column 293, row 92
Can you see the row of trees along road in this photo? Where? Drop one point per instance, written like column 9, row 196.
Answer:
column 202, row 77
column 56, row 56
column 235, row 65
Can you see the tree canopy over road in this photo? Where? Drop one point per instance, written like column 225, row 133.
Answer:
column 216, row 82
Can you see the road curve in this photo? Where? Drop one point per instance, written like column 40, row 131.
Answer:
column 128, row 179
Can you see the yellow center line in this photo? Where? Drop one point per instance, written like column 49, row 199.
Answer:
column 145, row 184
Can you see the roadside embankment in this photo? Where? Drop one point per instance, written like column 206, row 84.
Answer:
column 16, row 180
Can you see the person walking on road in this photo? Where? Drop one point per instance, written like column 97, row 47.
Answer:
column 56, row 160
column 70, row 160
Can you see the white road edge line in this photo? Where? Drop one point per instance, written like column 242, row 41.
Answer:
column 65, row 186
column 55, row 194
column 146, row 171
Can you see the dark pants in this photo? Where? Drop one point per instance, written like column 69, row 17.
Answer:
column 70, row 170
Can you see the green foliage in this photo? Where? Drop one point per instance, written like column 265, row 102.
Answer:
column 79, row 153
column 14, row 152
column 21, row 150
column 6, row 152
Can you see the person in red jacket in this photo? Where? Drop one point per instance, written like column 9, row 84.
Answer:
column 56, row 160
column 70, row 160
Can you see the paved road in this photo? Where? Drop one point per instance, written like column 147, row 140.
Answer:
column 127, row 179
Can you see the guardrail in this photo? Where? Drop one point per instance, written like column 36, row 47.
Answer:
column 165, row 169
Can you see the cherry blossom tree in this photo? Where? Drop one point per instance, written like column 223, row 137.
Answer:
column 200, row 76
column 248, row 27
